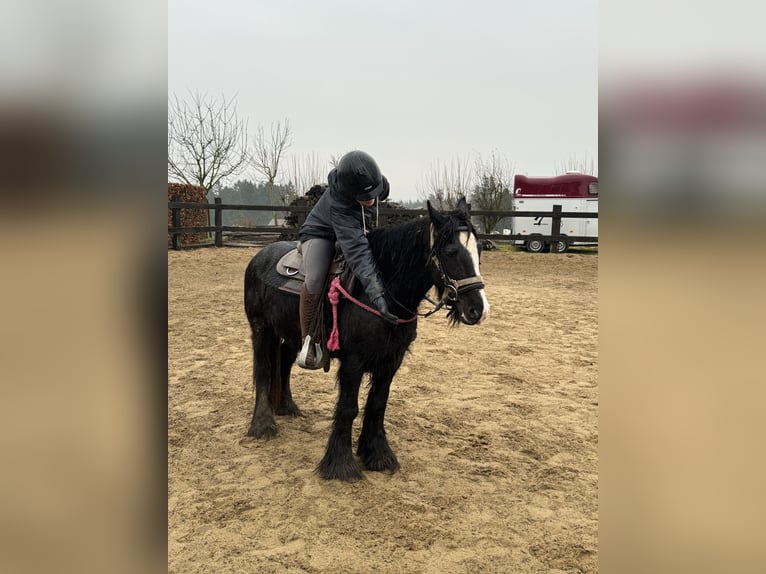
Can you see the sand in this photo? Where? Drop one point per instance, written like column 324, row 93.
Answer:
column 495, row 427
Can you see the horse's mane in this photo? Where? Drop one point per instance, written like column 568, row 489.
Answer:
column 402, row 252
column 400, row 248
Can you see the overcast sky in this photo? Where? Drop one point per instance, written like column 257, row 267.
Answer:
column 410, row 82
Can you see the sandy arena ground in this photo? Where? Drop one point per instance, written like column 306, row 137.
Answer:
column 495, row 428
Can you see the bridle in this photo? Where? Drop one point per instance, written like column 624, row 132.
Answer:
column 453, row 288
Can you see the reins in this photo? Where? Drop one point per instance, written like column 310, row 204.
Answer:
column 452, row 290
column 436, row 305
column 336, row 290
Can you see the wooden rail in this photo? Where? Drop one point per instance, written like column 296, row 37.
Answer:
column 302, row 210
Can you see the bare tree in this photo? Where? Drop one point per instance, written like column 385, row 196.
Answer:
column 443, row 185
column 206, row 141
column 267, row 154
column 493, row 188
column 574, row 163
column 305, row 172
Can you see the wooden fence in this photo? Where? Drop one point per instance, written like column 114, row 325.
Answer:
column 218, row 228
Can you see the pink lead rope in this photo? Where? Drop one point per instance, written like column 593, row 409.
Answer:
column 336, row 290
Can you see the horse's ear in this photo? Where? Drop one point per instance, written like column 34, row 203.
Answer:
column 462, row 206
column 436, row 217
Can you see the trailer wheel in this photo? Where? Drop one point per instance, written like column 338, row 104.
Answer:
column 535, row 245
column 561, row 246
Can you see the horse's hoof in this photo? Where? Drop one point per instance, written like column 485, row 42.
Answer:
column 348, row 472
column 262, row 429
column 289, row 409
column 388, row 464
column 379, row 462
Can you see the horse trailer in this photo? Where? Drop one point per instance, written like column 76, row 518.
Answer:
column 574, row 192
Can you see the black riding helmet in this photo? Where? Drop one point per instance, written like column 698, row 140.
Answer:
column 360, row 178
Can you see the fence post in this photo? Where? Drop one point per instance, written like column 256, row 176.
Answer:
column 555, row 227
column 301, row 215
column 175, row 218
column 218, row 224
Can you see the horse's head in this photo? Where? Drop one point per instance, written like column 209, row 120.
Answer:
column 455, row 259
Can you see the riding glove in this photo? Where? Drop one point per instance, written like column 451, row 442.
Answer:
column 382, row 306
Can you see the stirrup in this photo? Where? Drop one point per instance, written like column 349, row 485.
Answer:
column 305, row 359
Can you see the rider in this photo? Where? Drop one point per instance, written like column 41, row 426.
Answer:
column 355, row 184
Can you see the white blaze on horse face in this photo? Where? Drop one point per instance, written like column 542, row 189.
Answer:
column 469, row 240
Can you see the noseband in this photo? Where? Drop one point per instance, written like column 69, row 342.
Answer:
column 455, row 287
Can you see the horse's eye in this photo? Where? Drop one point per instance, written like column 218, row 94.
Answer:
column 451, row 250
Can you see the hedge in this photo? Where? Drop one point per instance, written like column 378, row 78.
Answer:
column 189, row 217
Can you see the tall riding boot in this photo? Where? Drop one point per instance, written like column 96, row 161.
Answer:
column 310, row 356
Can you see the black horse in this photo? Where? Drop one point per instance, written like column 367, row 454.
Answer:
column 440, row 250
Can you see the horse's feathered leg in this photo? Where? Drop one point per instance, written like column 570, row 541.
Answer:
column 338, row 462
column 373, row 446
column 275, row 389
column 286, row 406
column 265, row 343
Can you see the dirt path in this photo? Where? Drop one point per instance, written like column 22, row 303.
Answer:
column 495, row 428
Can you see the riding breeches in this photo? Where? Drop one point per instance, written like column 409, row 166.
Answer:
column 317, row 257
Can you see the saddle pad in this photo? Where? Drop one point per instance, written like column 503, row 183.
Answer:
column 291, row 286
column 267, row 260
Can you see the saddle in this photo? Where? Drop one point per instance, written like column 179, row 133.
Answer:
column 290, row 265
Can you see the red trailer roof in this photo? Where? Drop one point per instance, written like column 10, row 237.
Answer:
column 568, row 185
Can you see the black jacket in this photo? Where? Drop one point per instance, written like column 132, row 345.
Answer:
column 338, row 216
